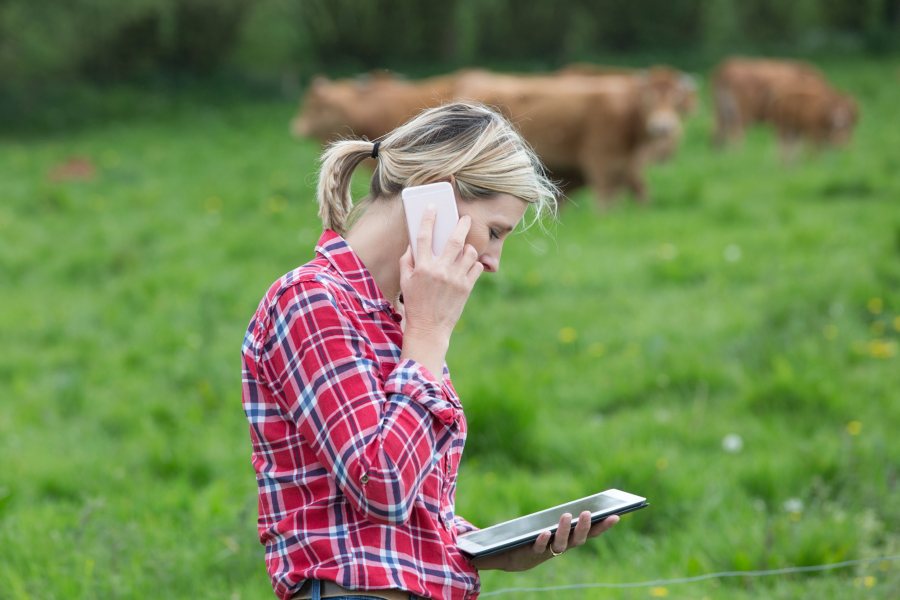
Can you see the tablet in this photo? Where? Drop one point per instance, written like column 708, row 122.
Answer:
column 524, row 530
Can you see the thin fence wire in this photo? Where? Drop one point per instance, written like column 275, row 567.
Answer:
column 680, row 580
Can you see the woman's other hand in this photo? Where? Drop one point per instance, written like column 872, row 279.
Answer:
column 528, row 557
column 435, row 290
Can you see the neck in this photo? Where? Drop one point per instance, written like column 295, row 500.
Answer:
column 379, row 238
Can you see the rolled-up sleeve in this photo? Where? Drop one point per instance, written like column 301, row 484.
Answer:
column 378, row 438
column 462, row 526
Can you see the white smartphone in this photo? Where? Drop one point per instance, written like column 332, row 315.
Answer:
column 417, row 198
column 524, row 530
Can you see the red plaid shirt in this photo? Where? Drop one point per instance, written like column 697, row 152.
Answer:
column 355, row 452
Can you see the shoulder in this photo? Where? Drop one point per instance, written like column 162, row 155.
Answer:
column 310, row 286
column 309, row 290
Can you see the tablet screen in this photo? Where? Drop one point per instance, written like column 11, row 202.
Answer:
column 529, row 526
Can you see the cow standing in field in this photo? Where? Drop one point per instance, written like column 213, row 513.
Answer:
column 599, row 131
column 368, row 107
column 744, row 89
column 792, row 96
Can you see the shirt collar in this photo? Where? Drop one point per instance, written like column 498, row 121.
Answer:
column 344, row 260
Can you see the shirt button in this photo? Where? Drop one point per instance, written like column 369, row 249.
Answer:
column 397, row 318
column 364, row 479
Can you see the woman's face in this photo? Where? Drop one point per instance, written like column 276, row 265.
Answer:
column 493, row 219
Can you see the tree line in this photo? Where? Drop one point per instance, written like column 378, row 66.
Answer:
column 112, row 40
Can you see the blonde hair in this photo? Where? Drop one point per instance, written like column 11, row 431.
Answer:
column 474, row 144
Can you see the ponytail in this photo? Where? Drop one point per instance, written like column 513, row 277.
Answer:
column 333, row 191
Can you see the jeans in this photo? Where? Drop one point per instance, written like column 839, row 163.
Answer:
column 317, row 594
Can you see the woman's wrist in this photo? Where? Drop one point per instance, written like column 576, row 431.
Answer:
column 428, row 348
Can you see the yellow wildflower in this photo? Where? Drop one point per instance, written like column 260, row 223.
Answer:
column 213, row 204
column 659, row 592
column 597, row 350
column 276, row 205
column 854, row 427
column 882, row 348
column 567, row 335
column 875, row 305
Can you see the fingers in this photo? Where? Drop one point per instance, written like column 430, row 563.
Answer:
column 541, row 543
column 561, row 539
column 425, row 234
column 457, row 239
column 580, row 531
column 474, row 272
column 604, row 525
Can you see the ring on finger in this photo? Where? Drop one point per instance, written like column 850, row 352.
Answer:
column 553, row 552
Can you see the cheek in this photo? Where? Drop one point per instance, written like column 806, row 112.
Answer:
column 479, row 239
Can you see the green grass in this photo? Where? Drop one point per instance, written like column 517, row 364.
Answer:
column 749, row 298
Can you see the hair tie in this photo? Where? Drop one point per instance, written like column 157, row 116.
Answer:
column 375, row 149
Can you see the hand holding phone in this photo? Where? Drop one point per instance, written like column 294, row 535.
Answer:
column 416, row 200
column 435, row 282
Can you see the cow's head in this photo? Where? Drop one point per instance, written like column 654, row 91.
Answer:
column 661, row 101
column 322, row 115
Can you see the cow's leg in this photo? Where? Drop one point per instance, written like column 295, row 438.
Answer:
column 634, row 181
column 728, row 128
column 604, row 183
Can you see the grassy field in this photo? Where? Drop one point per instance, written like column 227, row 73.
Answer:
column 731, row 351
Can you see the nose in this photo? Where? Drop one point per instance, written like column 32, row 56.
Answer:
column 664, row 124
column 491, row 264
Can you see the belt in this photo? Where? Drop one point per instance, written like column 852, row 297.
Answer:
column 330, row 589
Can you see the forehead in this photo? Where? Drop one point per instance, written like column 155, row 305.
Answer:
column 504, row 208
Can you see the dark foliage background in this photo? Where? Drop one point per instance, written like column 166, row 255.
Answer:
column 42, row 42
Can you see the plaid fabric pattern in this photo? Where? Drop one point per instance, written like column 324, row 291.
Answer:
column 355, row 452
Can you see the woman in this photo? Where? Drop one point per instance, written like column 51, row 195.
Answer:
column 357, row 430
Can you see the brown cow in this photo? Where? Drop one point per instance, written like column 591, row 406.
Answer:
column 595, row 130
column 744, row 90
column 812, row 112
column 367, row 107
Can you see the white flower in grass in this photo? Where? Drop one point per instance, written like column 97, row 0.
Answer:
column 668, row 251
column 793, row 505
column 732, row 253
column 732, row 443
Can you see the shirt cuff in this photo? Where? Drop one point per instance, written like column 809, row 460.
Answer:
column 462, row 526
column 413, row 380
